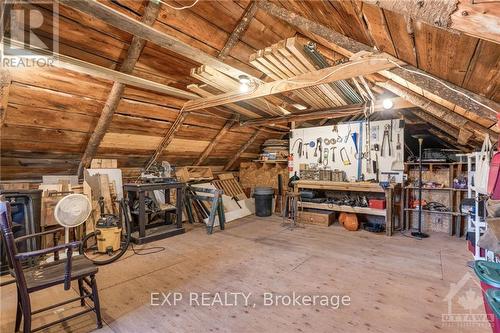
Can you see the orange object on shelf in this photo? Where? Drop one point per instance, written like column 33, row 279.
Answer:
column 342, row 217
column 351, row 222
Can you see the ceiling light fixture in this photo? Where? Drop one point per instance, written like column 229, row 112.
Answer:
column 387, row 103
column 244, row 83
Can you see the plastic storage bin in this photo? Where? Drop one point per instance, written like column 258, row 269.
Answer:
column 489, row 275
column 493, row 298
column 263, row 201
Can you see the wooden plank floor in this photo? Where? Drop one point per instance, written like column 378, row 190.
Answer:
column 396, row 284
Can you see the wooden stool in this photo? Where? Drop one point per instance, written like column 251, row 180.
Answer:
column 290, row 213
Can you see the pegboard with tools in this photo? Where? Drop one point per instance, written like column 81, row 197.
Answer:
column 373, row 150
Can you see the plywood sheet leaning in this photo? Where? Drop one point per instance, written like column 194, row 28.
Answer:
column 254, row 174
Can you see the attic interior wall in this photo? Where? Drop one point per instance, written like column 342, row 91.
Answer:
column 52, row 112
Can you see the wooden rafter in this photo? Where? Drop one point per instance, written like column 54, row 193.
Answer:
column 240, row 29
column 80, row 66
column 114, row 97
column 179, row 120
column 5, row 82
column 435, row 109
column 347, row 46
column 366, row 65
column 139, row 29
column 471, row 17
column 461, row 134
column 247, row 144
column 216, row 140
column 449, row 140
column 329, row 113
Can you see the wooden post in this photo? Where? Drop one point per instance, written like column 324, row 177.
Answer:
column 242, row 150
column 215, row 141
column 240, row 29
column 181, row 116
column 117, row 90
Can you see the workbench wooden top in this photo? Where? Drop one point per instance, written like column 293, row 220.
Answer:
column 340, row 186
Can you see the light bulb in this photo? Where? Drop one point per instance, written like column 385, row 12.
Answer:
column 387, row 104
column 244, row 87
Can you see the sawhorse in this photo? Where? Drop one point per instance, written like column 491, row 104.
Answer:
column 217, row 207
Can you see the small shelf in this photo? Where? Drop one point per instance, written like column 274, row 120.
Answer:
column 349, row 209
column 436, row 189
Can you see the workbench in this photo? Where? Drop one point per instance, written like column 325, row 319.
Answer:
column 143, row 231
column 391, row 193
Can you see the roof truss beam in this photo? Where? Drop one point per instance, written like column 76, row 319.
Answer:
column 362, row 66
column 116, row 94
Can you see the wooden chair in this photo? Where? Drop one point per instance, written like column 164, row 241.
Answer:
column 42, row 276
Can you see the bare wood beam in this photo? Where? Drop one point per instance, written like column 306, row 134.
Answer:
column 139, row 29
column 336, row 112
column 435, row 109
column 80, row 66
column 102, row 126
column 5, row 81
column 179, row 120
column 461, row 134
column 449, row 140
column 215, row 141
column 242, row 149
column 347, row 46
column 366, row 65
column 240, row 29
column 475, row 19
column 114, row 97
column 326, row 114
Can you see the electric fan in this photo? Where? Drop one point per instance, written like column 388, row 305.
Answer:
column 71, row 211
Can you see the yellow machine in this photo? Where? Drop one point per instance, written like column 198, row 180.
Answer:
column 108, row 231
column 108, row 239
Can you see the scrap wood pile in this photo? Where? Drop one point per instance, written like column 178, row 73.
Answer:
column 235, row 203
column 274, row 150
column 54, row 188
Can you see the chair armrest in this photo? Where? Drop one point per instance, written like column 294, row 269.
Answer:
column 23, row 238
column 67, row 266
column 36, row 253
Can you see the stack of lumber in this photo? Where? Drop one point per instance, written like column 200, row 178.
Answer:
column 98, row 163
column 194, row 173
column 287, row 59
column 274, row 149
column 216, row 82
column 54, row 188
column 102, row 183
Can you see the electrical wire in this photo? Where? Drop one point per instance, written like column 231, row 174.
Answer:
column 179, row 8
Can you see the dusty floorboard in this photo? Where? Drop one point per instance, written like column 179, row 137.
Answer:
column 396, row 284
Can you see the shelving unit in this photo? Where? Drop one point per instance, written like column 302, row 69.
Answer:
column 443, row 172
column 365, row 187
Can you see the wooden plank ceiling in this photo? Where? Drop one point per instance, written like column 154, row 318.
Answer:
column 51, row 112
